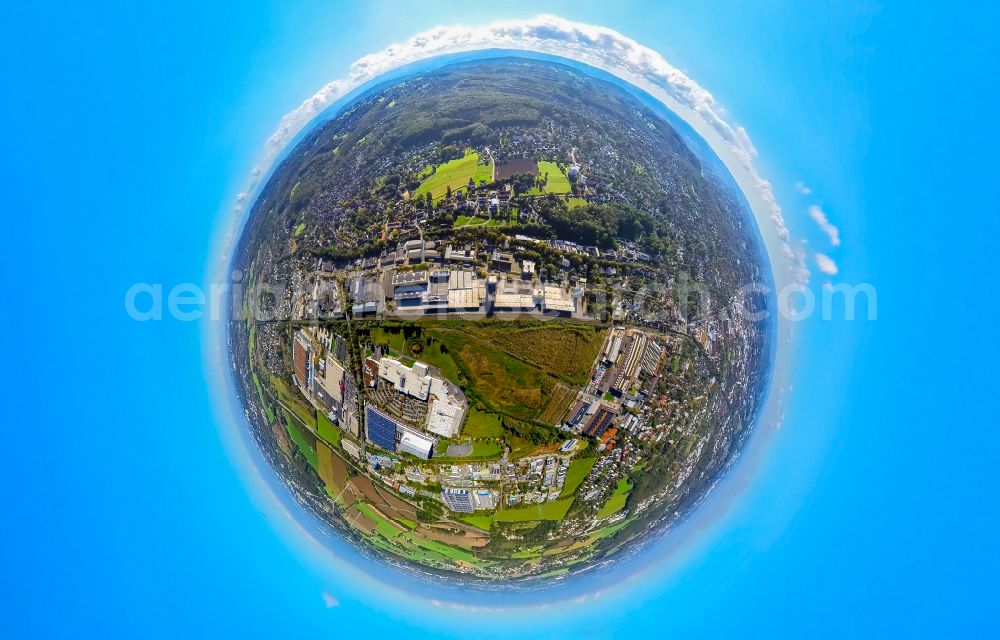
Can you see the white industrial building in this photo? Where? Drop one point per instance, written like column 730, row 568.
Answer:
column 414, row 443
column 332, row 379
column 414, row 381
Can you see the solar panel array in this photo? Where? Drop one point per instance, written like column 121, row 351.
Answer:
column 380, row 428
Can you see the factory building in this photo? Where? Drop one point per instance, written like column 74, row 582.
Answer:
column 413, row 442
column 652, row 357
column 599, row 423
column 380, row 428
column 444, row 417
column 630, row 367
column 557, row 301
column 614, row 348
column 413, row 381
column 392, row 435
column 409, row 287
column 459, row 500
column 302, row 360
column 332, row 380
column 468, row 500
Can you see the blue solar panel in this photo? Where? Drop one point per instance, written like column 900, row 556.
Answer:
column 381, row 429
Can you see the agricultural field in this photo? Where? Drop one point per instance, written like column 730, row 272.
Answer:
column 555, row 510
column 455, row 174
column 291, row 399
column 562, row 349
column 301, row 440
column 559, row 403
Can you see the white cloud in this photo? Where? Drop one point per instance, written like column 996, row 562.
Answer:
column 596, row 46
column 832, row 232
column 826, row 264
column 330, row 601
column 802, row 188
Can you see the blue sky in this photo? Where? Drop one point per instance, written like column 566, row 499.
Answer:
column 871, row 511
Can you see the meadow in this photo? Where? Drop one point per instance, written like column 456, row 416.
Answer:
column 554, row 510
column 455, row 174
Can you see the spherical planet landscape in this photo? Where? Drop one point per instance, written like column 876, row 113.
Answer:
column 500, row 321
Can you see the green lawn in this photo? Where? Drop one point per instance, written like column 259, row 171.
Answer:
column 454, row 174
column 327, row 430
column 301, row 441
column 470, row 221
column 555, row 510
column 394, row 341
column 434, row 356
column 483, row 522
column 481, row 424
column 573, row 203
column 299, row 229
column 617, row 500
column 485, row 450
column 578, row 470
column 609, row 530
column 557, row 181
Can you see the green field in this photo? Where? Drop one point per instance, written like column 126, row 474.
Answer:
column 555, row 510
column 291, row 398
column 433, row 355
column 454, row 174
column 578, row 470
column 383, row 526
column 609, row 530
column 557, row 181
column 573, row 203
column 260, row 394
column 485, row 450
column 481, row 424
column 448, row 551
column 468, row 221
column 511, row 367
column 395, row 341
column 327, row 430
column 483, row 522
column 299, row 229
column 617, row 500
column 300, row 439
